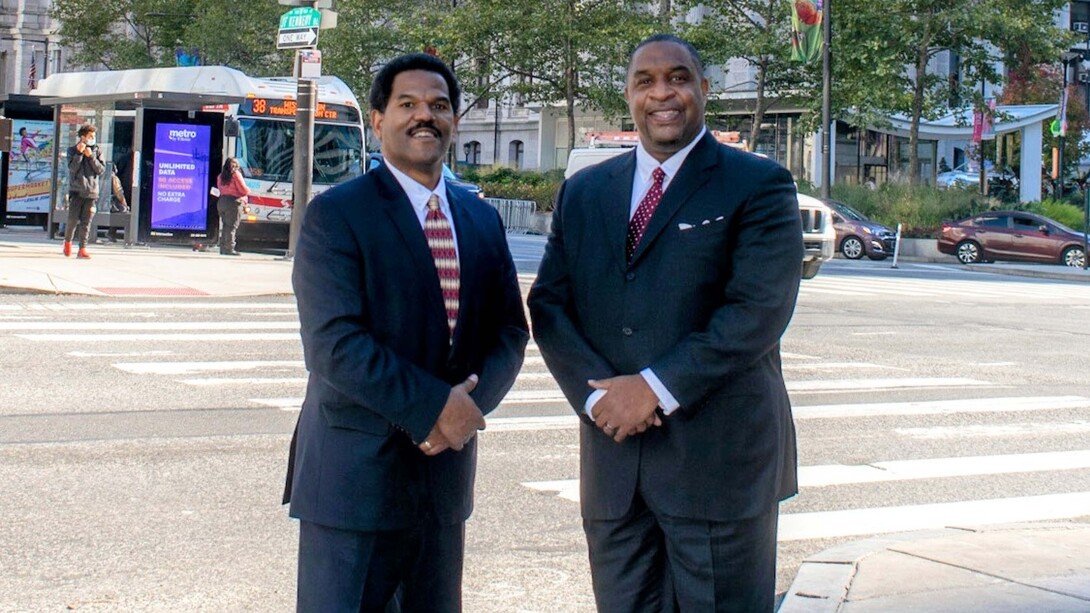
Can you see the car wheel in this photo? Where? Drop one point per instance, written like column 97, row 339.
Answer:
column 1072, row 256
column 969, row 252
column 852, row 248
column 810, row 269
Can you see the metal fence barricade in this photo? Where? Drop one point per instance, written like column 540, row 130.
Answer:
column 516, row 214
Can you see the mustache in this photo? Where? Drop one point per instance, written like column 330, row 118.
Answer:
column 427, row 125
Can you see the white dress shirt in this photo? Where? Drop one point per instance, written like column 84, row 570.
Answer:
column 641, row 184
column 419, row 195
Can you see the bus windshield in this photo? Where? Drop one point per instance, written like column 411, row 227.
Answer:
column 265, row 150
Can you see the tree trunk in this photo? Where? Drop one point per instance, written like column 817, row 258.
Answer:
column 922, row 56
column 759, row 107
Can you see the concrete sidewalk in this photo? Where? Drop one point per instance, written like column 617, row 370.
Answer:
column 1018, row 568
column 31, row 263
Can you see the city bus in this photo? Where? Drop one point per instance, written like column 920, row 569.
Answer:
column 264, row 145
column 256, row 125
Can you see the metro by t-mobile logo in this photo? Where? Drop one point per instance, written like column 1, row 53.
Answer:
column 185, row 135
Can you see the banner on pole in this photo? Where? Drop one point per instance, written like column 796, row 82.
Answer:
column 806, row 35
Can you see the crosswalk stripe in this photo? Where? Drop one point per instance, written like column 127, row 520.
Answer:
column 246, row 381
column 995, row 431
column 843, row 385
column 941, row 407
column 882, row 520
column 192, row 368
column 164, row 337
column 149, row 325
column 186, row 305
column 841, row 366
column 933, row 468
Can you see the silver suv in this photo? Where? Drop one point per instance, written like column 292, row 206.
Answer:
column 818, row 234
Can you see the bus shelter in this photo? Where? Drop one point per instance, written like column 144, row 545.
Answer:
column 161, row 132
column 26, row 169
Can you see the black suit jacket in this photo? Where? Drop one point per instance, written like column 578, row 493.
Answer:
column 704, row 302
column 376, row 343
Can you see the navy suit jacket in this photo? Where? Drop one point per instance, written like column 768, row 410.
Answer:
column 376, row 343
column 704, row 302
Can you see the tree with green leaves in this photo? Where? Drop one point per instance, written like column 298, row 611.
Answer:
column 123, row 34
column 757, row 31
column 885, row 54
column 574, row 52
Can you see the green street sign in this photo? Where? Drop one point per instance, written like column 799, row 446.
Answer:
column 301, row 17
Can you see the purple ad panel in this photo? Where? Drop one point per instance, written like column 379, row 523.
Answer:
column 179, row 182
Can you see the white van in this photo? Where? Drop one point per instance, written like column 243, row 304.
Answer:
column 582, row 157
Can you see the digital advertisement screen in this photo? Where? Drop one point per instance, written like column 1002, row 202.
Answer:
column 179, row 181
column 30, row 166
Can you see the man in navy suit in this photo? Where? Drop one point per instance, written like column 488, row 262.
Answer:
column 669, row 277
column 413, row 329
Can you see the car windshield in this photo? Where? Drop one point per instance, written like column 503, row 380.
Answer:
column 266, row 150
column 849, row 212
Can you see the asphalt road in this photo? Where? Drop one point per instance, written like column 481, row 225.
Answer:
column 143, row 444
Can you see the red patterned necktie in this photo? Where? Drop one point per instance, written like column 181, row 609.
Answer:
column 644, row 211
column 441, row 241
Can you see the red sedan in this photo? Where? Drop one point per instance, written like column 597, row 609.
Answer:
column 1011, row 235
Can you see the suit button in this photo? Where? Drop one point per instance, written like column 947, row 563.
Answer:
column 626, row 331
column 630, row 276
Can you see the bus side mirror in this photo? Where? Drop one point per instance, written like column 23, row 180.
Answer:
column 230, row 127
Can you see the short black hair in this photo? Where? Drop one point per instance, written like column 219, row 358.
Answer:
column 86, row 128
column 670, row 38
column 384, row 80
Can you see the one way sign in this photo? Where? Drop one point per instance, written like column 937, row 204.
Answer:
column 297, row 38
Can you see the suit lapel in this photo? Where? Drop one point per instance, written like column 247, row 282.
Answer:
column 694, row 173
column 616, row 203
column 404, row 218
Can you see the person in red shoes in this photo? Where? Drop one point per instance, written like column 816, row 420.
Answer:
column 85, row 166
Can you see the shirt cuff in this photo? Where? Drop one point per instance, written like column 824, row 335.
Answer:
column 588, row 406
column 667, row 401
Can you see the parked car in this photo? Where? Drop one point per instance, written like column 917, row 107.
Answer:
column 856, row 235
column 968, row 177
column 374, row 159
column 1011, row 235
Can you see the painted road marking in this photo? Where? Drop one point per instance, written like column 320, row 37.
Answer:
column 882, row 520
column 192, row 368
column 162, row 337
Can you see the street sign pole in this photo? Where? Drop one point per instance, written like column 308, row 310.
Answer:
column 299, row 30
column 303, row 169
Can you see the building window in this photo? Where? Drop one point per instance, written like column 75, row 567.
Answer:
column 514, row 154
column 472, row 151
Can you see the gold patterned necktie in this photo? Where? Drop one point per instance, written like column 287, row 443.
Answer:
column 441, row 241
column 646, row 208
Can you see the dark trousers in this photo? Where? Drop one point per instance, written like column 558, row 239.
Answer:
column 401, row 571
column 80, row 212
column 647, row 562
column 230, row 210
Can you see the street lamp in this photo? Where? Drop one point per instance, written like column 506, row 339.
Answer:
column 1067, row 59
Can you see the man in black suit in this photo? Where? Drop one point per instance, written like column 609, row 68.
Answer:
column 669, row 277
column 413, row 328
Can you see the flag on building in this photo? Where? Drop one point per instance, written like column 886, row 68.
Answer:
column 32, row 76
column 806, row 35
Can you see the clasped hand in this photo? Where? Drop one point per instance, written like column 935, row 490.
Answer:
column 627, row 408
column 458, row 422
